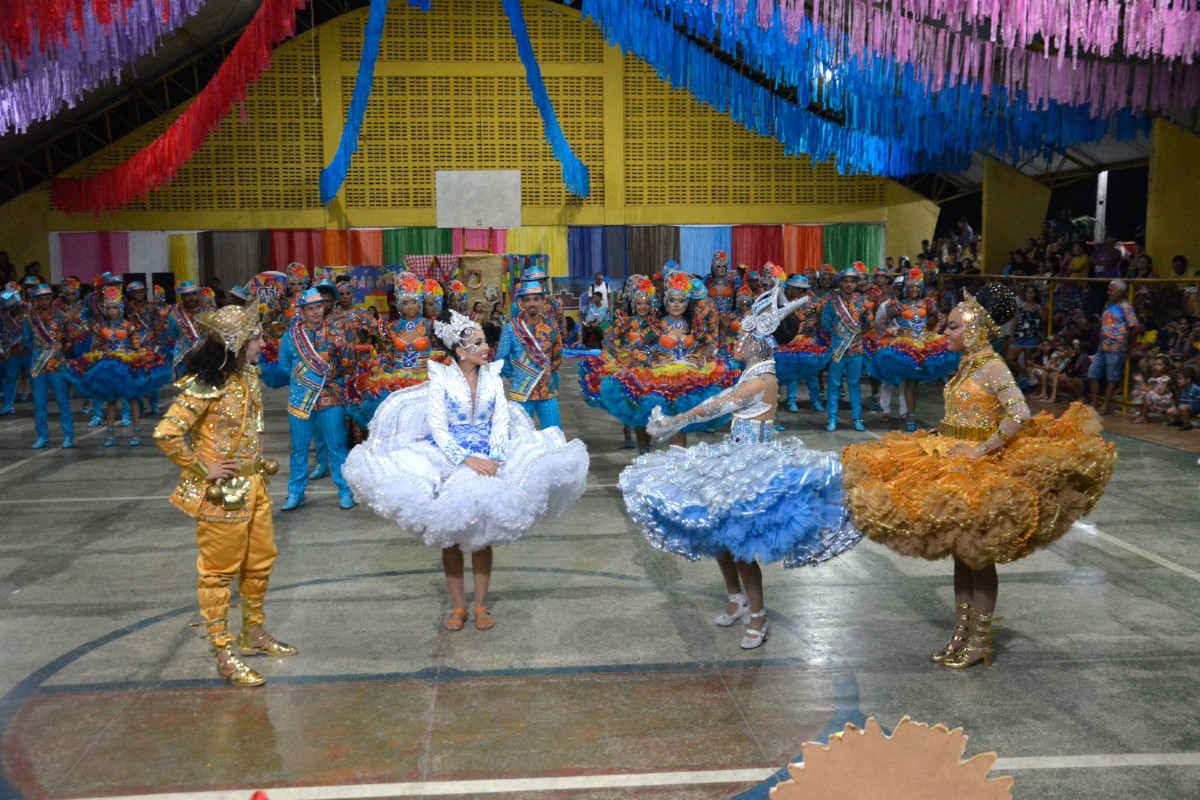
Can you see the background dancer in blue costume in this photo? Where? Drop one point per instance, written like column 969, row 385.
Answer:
column 753, row 497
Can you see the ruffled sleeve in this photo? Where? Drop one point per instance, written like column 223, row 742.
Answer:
column 498, row 438
column 439, row 425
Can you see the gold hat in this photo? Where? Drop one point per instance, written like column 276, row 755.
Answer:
column 231, row 325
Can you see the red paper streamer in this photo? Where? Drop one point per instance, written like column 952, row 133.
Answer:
column 41, row 24
column 158, row 162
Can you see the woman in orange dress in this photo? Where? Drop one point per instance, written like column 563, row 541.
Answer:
column 990, row 487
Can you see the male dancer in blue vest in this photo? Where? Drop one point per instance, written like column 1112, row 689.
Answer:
column 318, row 358
column 532, row 352
column 844, row 318
column 48, row 333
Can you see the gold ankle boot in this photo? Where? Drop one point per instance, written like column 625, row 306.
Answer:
column 264, row 644
column 958, row 639
column 234, row 670
column 979, row 645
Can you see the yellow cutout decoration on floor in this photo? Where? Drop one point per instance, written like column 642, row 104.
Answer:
column 916, row 762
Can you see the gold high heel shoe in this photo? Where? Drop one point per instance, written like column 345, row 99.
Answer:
column 979, row 645
column 958, row 639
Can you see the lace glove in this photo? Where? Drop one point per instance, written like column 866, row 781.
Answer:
column 732, row 399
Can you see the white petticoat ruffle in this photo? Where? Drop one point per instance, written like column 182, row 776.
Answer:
column 404, row 477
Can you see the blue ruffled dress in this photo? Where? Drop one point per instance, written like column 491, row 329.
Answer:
column 754, row 495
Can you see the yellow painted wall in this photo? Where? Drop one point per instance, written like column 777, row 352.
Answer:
column 23, row 231
column 1014, row 208
column 910, row 218
column 1173, row 196
column 450, row 93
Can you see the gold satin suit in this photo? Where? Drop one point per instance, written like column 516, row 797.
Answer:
column 204, row 424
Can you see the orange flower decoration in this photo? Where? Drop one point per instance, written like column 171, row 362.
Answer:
column 679, row 283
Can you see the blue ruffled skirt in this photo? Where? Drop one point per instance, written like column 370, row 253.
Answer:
column 111, row 379
column 767, row 501
column 905, row 359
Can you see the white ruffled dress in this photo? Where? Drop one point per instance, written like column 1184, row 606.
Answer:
column 411, row 469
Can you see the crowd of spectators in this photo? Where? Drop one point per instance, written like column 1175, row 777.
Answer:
column 1087, row 311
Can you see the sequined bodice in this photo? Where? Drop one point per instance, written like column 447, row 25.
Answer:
column 676, row 339
column 969, row 402
column 121, row 338
column 750, row 431
column 914, row 323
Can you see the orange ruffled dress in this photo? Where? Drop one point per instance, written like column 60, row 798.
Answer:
column 907, row 492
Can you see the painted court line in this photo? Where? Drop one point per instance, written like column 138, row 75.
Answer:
column 1092, row 530
column 53, row 448
column 639, row 780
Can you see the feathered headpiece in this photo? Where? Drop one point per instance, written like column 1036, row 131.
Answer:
column 769, row 309
column 70, row 284
column 456, row 287
column 112, row 296
column 454, row 333
column 914, row 276
column 407, row 286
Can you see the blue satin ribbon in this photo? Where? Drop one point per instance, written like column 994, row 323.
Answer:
column 334, row 175
column 574, row 172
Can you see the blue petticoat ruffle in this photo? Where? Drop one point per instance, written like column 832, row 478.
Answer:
column 111, row 379
column 893, row 365
column 794, row 367
column 774, row 501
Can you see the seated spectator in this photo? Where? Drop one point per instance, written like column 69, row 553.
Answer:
column 572, row 334
column 1051, row 369
column 1072, row 379
column 1153, row 395
column 1035, row 366
column 596, row 319
column 1187, row 392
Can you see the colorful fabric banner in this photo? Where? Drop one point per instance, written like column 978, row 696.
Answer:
column 803, row 247
column 697, row 243
column 401, row 242
column 755, row 245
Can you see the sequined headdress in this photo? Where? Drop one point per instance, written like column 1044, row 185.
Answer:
column 407, row 286
column 643, row 289
column 769, row 309
column 434, row 289
column 112, row 296
column 232, row 325
column 677, row 285
column 984, row 314
column 720, row 259
column 455, row 332
column 914, row 276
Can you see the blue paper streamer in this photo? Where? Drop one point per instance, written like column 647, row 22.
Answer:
column 574, row 172
column 893, row 125
column 334, row 175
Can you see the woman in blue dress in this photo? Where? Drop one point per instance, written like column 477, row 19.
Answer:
column 752, row 498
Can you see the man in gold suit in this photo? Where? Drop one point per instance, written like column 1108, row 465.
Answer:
column 214, row 432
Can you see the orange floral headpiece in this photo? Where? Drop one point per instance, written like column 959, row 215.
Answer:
column 678, row 285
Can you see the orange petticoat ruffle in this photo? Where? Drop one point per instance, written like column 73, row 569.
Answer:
column 906, row 492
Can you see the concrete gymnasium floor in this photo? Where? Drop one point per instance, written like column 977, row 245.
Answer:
column 604, row 677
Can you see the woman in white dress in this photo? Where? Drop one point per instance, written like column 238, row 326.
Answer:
column 453, row 461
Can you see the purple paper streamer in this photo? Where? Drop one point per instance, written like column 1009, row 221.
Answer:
column 48, row 81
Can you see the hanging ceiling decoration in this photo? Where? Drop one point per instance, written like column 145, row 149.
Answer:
column 157, row 163
column 41, row 82
column 891, row 88
column 935, row 93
